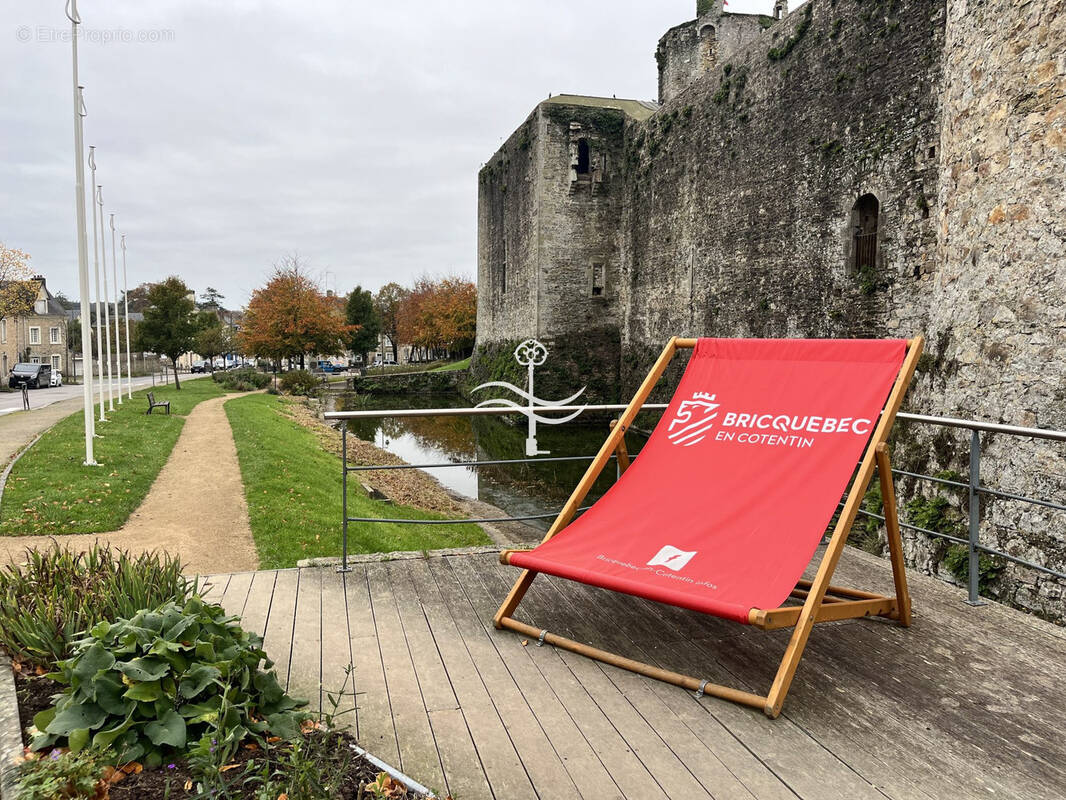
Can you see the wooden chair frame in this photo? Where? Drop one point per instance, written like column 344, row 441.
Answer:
column 822, row 601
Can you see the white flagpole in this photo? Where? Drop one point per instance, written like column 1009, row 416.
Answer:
column 126, row 306
column 107, row 313
column 83, row 242
column 118, row 343
column 96, row 269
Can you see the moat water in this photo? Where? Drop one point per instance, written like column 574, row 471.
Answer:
column 519, row 489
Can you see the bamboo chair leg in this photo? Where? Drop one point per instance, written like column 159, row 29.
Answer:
column 895, row 541
column 621, row 452
column 808, row 616
column 614, row 439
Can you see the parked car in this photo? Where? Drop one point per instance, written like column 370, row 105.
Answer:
column 57, row 379
column 326, row 366
column 198, row 366
column 35, row 376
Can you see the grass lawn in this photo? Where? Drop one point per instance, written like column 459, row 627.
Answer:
column 294, row 495
column 50, row 492
column 457, row 365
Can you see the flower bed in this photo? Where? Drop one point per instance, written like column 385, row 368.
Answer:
column 175, row 701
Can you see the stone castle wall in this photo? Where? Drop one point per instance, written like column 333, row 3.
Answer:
column 738, row 219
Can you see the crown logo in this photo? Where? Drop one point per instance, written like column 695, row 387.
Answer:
column 703, row 396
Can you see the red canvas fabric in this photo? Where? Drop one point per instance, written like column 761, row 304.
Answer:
column 725, row 505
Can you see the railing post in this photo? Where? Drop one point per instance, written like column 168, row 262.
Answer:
column 975, row 519
column 344, row 498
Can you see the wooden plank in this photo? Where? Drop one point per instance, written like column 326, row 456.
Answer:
column 624, row 767
column 503, row 768
column 463, row 774
column 305, row 660
column 579, row 757
column 895, row 541
column 418, row 748
column 715, row 756
column 213, row 587
column 257, row 603
column 236, row 593
column 277, row 636
column 338, row 676
column 783, row 749
column 541, row 758
column 374, row 727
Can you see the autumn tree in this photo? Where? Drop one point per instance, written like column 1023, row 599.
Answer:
column 439, row 316
column 169, row 326
column 290, row 317
column 362, row 316
column 387, row 302
column 18, row 290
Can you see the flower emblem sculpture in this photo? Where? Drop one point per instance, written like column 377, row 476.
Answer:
column 530, row 354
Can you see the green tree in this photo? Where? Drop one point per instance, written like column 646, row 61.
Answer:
column 211, row 299
column 388, row 301
column 361, row 314
column 213, row 340
column 169, row 326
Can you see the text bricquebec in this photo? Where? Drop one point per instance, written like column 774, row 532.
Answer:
column 785, row 423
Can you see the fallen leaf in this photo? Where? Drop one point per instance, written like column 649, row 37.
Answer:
column 228, row 767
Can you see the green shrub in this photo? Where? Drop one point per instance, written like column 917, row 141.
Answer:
column 159, row 681
column 245, row 379
column 989, row 568
column 75, row 776
column 300, row 381
column 57, row 595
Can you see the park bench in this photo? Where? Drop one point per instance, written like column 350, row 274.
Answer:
column 153, row 404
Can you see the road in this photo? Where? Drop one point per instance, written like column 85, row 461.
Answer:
column 39, row 398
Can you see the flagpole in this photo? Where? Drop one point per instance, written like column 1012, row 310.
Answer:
column 126, row 306
column 96, row 269
column 118, row 343
column 83, row 242
column 107, row 313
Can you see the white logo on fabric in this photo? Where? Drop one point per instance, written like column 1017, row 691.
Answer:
column 672, row 558
column 695, row 417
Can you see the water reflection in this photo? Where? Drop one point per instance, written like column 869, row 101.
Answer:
column 519, row 489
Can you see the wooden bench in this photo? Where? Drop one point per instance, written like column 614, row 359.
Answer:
column 153, row 404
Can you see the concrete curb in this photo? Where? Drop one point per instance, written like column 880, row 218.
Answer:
column 403, row 555
column 10, row 732
column 14, row 460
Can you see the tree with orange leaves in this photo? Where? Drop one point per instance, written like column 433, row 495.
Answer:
column 439, row 316
column 291, row 318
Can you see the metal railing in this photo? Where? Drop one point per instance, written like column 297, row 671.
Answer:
column 973, row 487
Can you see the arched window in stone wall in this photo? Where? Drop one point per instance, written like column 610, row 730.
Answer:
column 864, row 232
column 708, row 47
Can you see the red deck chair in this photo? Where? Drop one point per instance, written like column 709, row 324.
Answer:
column 731, row 495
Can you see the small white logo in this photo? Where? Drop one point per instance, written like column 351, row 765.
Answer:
column 693, row 419
column 672, row 558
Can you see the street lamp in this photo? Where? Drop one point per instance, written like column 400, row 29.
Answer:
column 107, row 313
column 83, row 242
column 126, row 306
column 96, row 269
column 118, row 344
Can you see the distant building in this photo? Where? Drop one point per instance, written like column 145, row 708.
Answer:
column 38, row 336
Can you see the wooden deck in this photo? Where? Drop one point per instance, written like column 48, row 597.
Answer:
column 966, row 703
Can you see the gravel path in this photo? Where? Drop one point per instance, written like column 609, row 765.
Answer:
column 195, row 510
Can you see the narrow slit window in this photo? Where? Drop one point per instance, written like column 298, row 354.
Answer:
column 598, row 279
column 582, row 157
column 864, row 230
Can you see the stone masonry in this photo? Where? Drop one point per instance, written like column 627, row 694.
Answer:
column 854, row 168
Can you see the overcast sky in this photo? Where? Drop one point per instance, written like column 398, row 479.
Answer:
column 240, row 131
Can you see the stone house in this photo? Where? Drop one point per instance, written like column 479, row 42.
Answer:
column 38, row 336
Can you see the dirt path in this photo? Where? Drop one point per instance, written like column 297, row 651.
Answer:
column 195, row 510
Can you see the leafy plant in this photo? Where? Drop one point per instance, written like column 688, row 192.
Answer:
column 989, row 568
column 163, row 678
column 300, row 381
column 245, row 379
column 74, row 776
column 57, row 595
